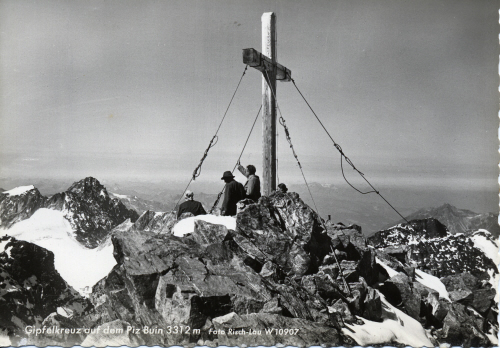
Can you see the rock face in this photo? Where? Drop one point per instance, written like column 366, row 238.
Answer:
column 430, row 247
column 31, row 289
column 283, row 276
column 86, row 205
column 18, row 206
column 465, row 271
column 90, row 211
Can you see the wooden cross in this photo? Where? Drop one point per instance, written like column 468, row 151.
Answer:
column 271, row 71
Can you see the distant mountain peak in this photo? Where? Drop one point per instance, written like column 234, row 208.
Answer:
column 459, row 220
column 86, row 204
column 86, row 185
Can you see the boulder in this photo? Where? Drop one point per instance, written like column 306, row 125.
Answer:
column 341, row 312
column 461, row 281
column 367, row 267
column 462, row 296
column 206, row 233
column 349, row 271
column 372, row 306
column 356, row 297
column 350, row 241
column 272, row 307
column 261, row 235
column 397, row 251
column 399, row 291
column 151, row 221
column 459, row 327
column 436, row 309
column 326, row 286
column 483, row 300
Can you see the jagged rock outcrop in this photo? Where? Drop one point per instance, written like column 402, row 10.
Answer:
column 282, row 268
column 431, row 248
column 468, row 314
column 19, row 204
column 157, row 222
column 32, row 290
column 90, row 210
column 200, row 279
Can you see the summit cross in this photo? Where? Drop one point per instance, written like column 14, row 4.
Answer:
column 266, row 63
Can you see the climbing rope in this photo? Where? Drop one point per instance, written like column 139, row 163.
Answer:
column 213, row 141
column 287, row 135
column 344, row 157
column 237, row 161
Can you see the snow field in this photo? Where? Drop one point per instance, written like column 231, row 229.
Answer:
column 78, row 266
column 19, row 190
column 432, row 282
column 423, row 278
column 402, row 329
column 186, row 226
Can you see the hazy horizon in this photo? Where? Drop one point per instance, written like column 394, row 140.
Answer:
column 134, row 91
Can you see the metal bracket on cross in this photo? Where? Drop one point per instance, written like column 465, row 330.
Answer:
column 257, row 60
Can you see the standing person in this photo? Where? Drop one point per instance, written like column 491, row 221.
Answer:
column 252, row 186
column 234, row 192
column 190, row 205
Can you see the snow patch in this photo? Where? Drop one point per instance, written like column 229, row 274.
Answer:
column 423, row 278
column 78, row 266
column 487, row 246
column 432, row 282
column 121, row 196
column 186, row 226
column 19, row 190
column 4, row 338
column 492, row 336
column 397, row 327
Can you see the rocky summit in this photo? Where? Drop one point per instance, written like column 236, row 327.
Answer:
column 86, row 204
column 281, row 276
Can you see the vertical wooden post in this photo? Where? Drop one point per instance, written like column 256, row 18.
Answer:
column 269, row 105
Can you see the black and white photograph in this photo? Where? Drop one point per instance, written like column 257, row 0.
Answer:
column 249, row 173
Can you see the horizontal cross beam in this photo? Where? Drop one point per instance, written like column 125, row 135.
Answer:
column 257, row 60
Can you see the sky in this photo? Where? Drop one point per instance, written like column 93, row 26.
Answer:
column 135, row 90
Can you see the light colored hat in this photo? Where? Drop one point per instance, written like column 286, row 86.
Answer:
column 188, row 194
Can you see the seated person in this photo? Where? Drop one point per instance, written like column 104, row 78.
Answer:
column 190, row 205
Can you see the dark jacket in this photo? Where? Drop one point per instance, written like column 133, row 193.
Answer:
column 233, row 193
column 193, row 207
column 252, row 186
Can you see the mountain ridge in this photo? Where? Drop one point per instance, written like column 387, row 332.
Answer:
column 86, row 204
column 458, row 220
column 277, row 266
